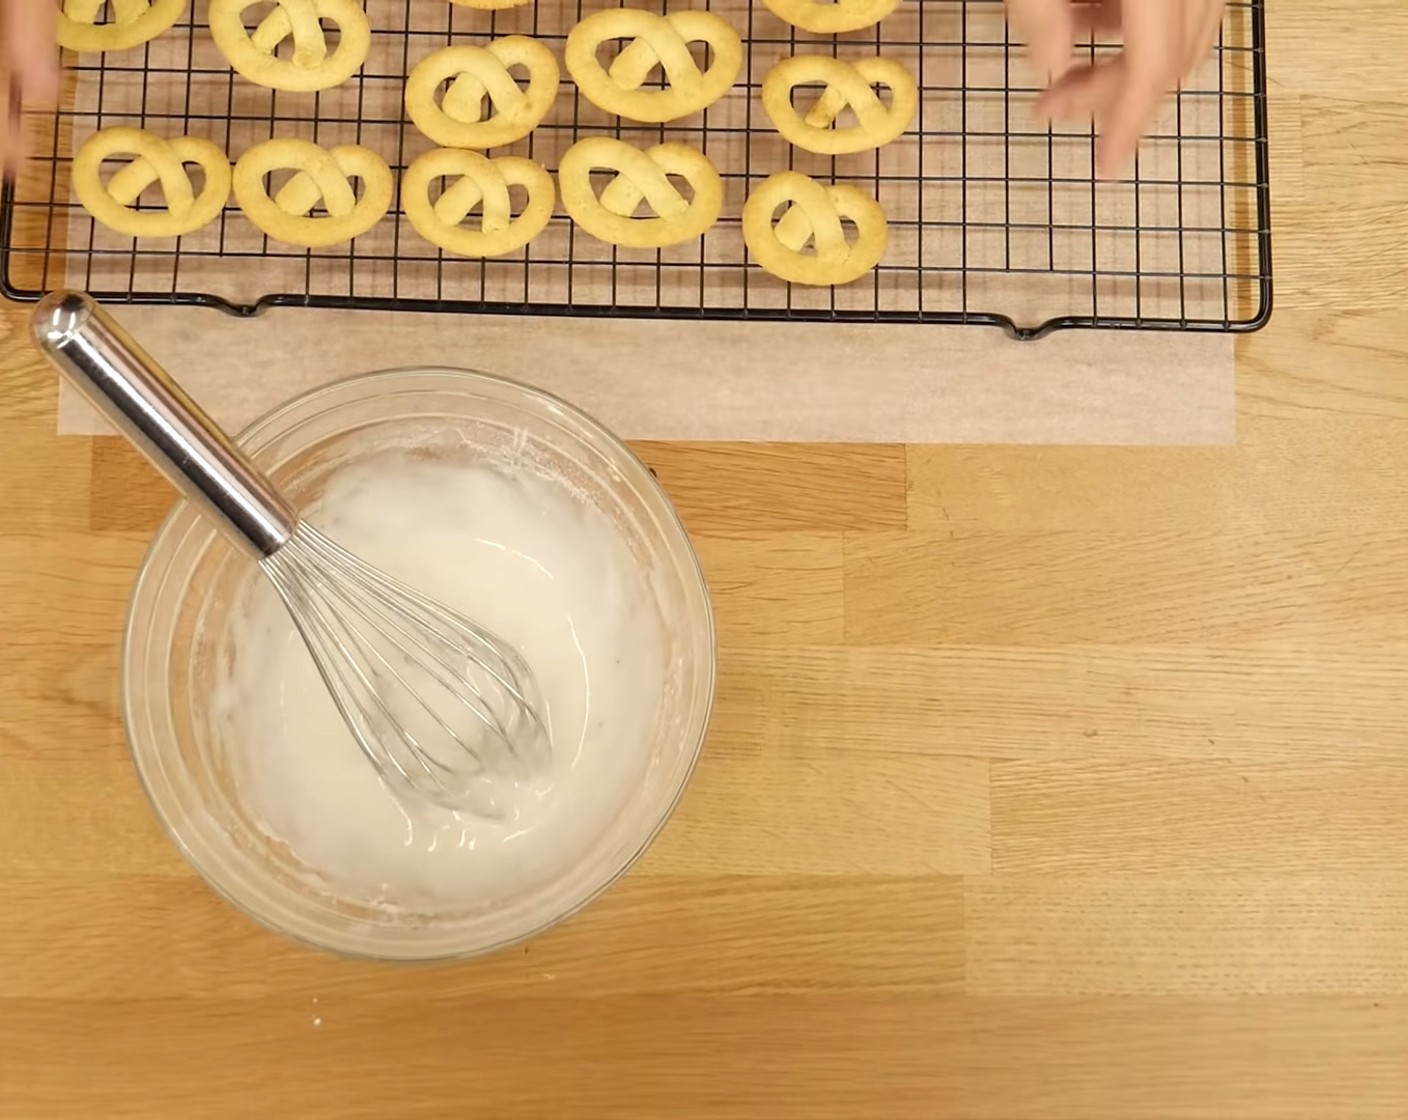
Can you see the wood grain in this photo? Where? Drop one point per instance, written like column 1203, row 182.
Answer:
column 1046, row 784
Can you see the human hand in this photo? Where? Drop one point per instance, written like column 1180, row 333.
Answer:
column 1164, row 41
column 29, row 71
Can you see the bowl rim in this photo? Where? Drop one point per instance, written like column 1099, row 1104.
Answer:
column 249, row 441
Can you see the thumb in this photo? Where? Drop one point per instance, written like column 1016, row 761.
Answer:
column 30, row 53
column 1048, row 26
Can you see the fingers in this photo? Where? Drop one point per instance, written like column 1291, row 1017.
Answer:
column 29, row 73
column 1084, row 92
column 1049, row 30
column 1154, row 54
column 1097, row 18
column 13, row 141
column 1206, row 33
column 27, row 43
column 1164, row 41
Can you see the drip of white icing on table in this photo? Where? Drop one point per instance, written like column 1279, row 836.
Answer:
column 518, row 552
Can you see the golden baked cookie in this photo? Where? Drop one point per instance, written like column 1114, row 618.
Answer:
column 831, row 17
column 847, row 85
column 133, row 23
column 812, row 217
column 324, row 175
column 156, row 160
column 311, row 67
column 491, row 5
column 655, row 40
column 483, row 183
column 641, row 176
column 475, row 73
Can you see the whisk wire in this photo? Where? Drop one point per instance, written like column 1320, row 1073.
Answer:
column 439, row 669
column 356, row 695
column 498, row 664
column 376, row 586
column 370, row 636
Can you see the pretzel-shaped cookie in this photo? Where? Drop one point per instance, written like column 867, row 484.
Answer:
column 814, row 212
column 485, row 183
column 847, row 84
column 134, row 22
column 640, row 176
column 324, row 175
column 458, row 121
column 157, row 160
column 252, row 53
column 824, row 17
column 655, row 41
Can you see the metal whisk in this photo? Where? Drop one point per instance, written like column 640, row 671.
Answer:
column 438, row 704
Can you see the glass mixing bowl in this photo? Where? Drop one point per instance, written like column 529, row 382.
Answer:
column 191, row 577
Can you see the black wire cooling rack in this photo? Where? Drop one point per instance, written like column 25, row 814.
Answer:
column 993, row 219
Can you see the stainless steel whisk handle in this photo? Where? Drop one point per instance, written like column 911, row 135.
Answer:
column 123, row 382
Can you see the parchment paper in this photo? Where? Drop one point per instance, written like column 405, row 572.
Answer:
column 988, row 212
column 711, row 381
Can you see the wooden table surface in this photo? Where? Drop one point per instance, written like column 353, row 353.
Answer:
column 1046, row 784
